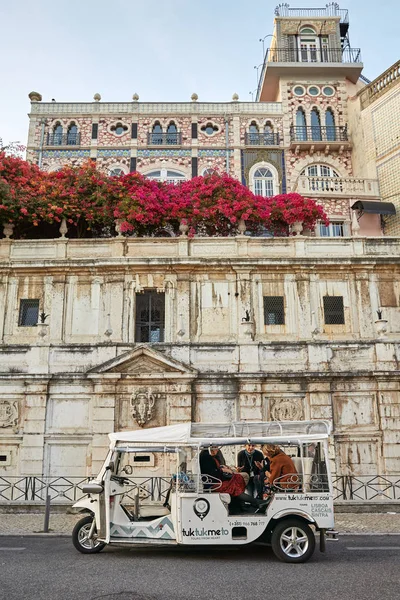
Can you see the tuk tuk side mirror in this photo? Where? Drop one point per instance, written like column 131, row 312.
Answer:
column 128, row 469
column 110, row 466
column 92, row 488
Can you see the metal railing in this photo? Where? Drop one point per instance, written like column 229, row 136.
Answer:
column 67, row 490
column 35, row 489
column 261, row 139
column 164, row 139
column 331, row 10
column 337, row 186
column 63, row 139
column 367, row 488
column 318, row 134
column 313, row 55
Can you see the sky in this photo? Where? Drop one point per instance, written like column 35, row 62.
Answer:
column 164, row 50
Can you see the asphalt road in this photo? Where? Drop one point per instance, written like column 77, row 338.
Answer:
column 355, row 568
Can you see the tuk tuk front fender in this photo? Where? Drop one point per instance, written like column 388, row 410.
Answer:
column 290, row 512
column 87, row 505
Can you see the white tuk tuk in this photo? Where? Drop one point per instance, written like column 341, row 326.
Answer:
column 150, row 490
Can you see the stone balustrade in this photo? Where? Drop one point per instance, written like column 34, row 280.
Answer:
column 155, row 108
column 340, row 187
column 179, row 249
column 380, row 85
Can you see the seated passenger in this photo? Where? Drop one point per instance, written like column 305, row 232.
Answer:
column 281, row 468
column 262, row 486
column 232, row 483
column 249, row 461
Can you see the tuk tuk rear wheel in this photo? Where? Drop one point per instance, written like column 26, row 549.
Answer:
column 293, row 541
column 80, row 537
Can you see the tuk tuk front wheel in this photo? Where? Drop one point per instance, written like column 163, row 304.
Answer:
column 293, row 541
column 80, row 537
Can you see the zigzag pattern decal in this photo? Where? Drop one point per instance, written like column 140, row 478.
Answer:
column 161, row 528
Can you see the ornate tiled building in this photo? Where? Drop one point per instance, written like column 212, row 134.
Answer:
column 295, row 137
column 152, row 331
column 374, row 122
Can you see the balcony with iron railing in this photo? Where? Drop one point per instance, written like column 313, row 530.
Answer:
column 330, row 10
column 63, row 139
column 164, row 139
column 318, row 137
column 314, row 55
column 308, row 59
column 261, row 139
column 337, row 187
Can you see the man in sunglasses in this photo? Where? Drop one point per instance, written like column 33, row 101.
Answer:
column 247, row 460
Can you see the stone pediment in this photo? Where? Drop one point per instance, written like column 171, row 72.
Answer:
column 144, row 362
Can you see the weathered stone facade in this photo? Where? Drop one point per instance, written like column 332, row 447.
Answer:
column 65, row 385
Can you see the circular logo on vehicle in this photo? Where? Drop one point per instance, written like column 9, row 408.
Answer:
column 201, row 507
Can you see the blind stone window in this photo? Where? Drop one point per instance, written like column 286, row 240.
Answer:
column 150, row 317
column 333, row 310
column 28, row 312
column 274, row 312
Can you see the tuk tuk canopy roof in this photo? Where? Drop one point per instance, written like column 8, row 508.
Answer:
column 203, row 434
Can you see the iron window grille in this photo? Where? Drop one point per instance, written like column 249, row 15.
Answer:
column 274, row 312
column 28, row 312
column 64, row 139
column 150, row 317
column 164, row 139
column 334, row 310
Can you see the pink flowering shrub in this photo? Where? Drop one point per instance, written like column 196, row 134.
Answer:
column 90, row 202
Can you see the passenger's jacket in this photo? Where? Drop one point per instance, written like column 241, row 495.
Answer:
column 281, row 464
column 247, row 461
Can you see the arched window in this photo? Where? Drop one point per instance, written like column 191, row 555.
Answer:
column 156, row 134
column 268, row 134
column 263, row 182
column 175, row 177
column 57, row 134
column 321, row 178
column 308, row 45
column 166, row 175
column 156, row 175
column 301, row 128
column 116, row 172
column 254, row 133
column 315, row 125
column 209, row 171
column 172, row 134
column 330, row 125
column 72, row 135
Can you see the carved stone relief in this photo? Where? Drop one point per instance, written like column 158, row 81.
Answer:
column 292, row 27
column 8, row 413
column 287, row 409
column 143, row 403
